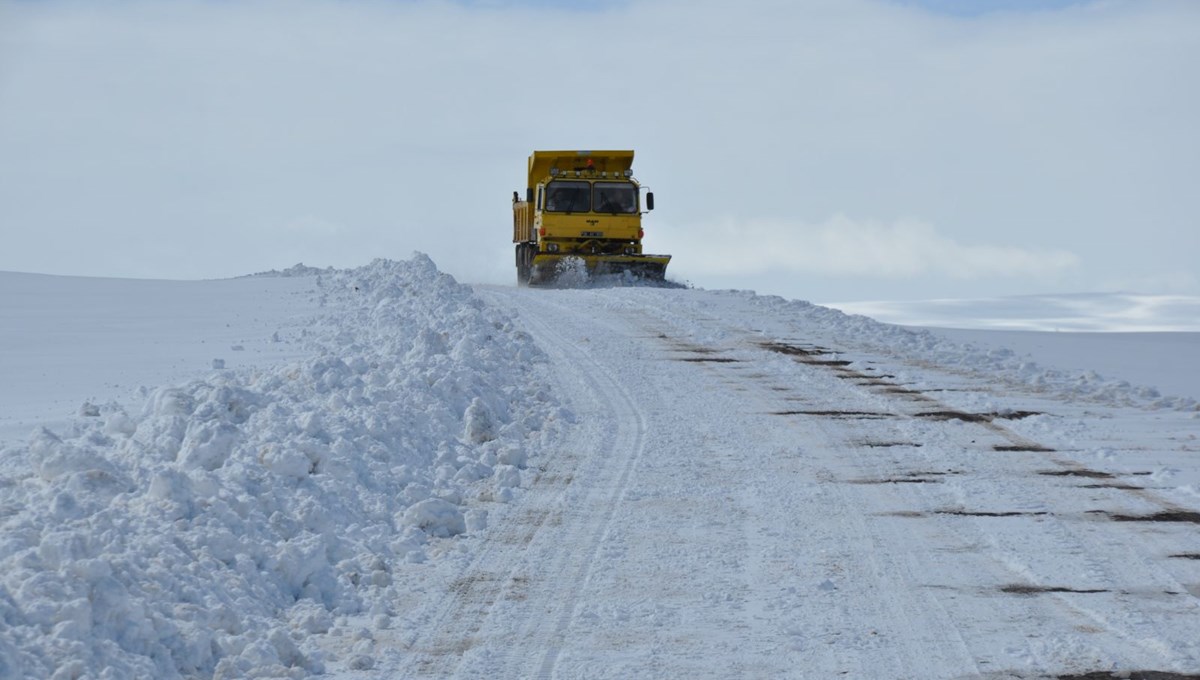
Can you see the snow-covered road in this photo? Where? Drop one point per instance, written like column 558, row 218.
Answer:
column 747, row 494
column 400, row 476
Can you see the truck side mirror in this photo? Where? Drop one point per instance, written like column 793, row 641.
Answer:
column 649, row 200
column 529, row 194
column 514, row 197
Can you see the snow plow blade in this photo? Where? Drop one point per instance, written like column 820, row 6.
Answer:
column 575, row 269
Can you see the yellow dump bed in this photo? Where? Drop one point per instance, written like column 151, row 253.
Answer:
column 608, row 163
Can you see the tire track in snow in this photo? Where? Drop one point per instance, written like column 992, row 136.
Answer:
column 832, row 517
column 1013, row 547
column 500, row 585
column 616, row 454
column 876, row 586
column 1057, row 548
column 435, row 645
column 917, row 594
column 859, row 580
column 1132, row 631
column 1093, row 543
column 507, row 612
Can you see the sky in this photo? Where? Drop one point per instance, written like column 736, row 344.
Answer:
column 815, row 149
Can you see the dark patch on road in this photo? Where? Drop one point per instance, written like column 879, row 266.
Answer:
column 875, row 382
column 847, row 374
column 1120, row 487
column 806, row 355
column 956, row 415
column 894, row 389
column 1094, row 474
column 977, row 417
column 963, row 513
column 1027, row 589
column 710, row 360
column 884, row 445
column 1129, row 675
column 794, row 350
column 1186, row 556
column 1185, row 516
column 1014, row 415
column 869, row 415
column 972, row 513
column 896, row 480
column 1032, row 448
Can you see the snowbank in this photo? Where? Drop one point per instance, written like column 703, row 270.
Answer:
column 212, row 531
column 849, row 331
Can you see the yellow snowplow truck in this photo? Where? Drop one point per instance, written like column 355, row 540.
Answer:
column 582, row 207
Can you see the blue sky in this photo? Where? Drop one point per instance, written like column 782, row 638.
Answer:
column 822, row 149
column 975, row 8
column 964, row 8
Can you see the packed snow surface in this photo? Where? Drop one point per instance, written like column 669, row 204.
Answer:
column 399, row 476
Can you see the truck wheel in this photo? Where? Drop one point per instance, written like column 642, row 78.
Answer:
column 523, row 264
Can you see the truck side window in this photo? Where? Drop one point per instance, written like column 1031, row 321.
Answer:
column 563, row 196
column 539, row 201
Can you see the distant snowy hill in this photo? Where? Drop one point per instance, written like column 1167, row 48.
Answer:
column 1151, row 340
column 1109, row 312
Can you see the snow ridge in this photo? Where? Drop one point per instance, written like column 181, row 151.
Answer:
column 864, row 333
column 215, row 531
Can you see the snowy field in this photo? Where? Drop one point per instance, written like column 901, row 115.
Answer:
column 1149, row 340
column 382, row 473
column 1109, row 312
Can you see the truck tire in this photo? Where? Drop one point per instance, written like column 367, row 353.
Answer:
column 524, row 263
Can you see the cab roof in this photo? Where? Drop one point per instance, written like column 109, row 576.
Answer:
column 540, row 162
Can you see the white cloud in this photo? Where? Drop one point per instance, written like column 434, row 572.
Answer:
column 133, row 129
column 841, row 246
column 311, row 226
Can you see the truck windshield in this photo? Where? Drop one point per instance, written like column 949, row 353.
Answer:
column 614, row 197
column 568, row 196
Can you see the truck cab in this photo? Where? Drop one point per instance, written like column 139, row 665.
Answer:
column 584, row 205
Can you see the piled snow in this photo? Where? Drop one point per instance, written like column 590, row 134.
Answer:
column 298, row 269
column 215, row 529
